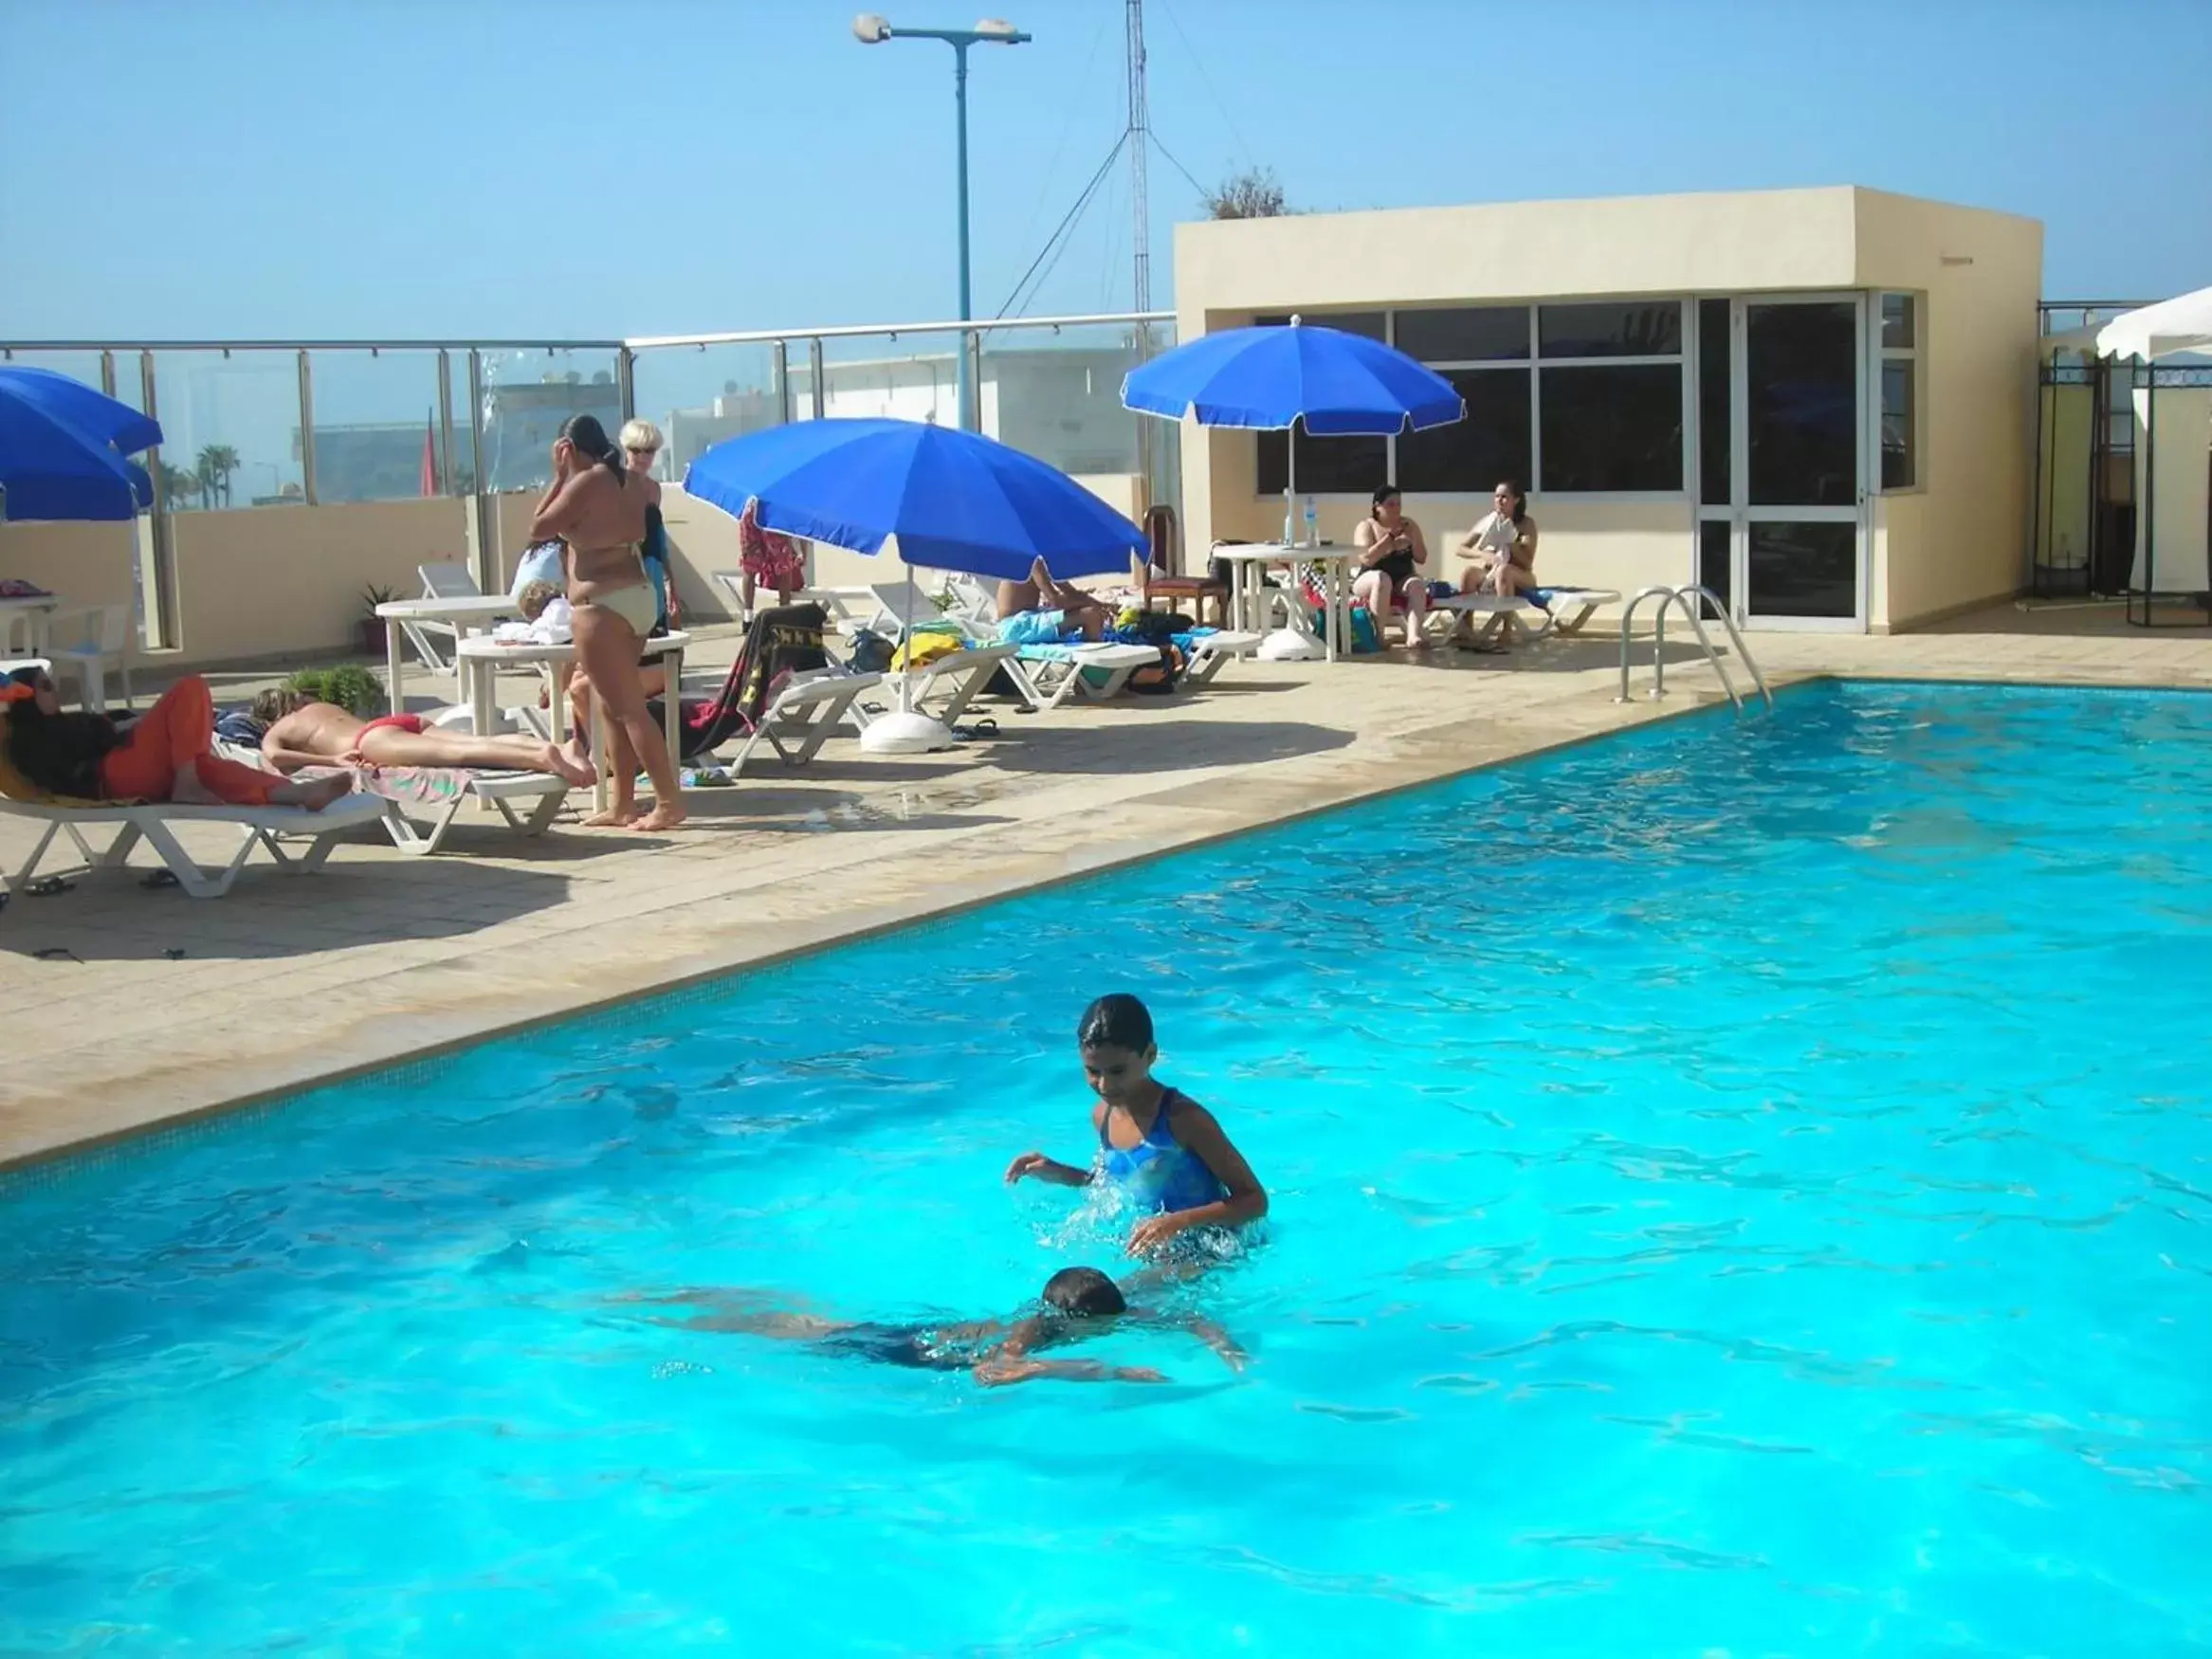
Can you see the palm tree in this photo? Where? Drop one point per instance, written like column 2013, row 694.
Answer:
column 178, row 485
column 217, row 462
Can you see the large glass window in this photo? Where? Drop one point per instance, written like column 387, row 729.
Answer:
column 1802, row 570
column 1900, row 392
column 1469, row 457
column 1612, row 427
column 1326, row 465
column 1715, row 419
column 1598, row 407
column 1643, row 330
column 1802, row 422
column 1488, row 334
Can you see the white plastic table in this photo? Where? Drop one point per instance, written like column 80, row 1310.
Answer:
column 480, row 658
column 1248, row 560
column 472, row 614
column 40, row 607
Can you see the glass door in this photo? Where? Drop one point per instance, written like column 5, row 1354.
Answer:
column 1798, row 496
column 1782, row 458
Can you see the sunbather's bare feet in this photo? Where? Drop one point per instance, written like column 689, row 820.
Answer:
column 613, row 818
column 314, row 793
column 665, row 815
column 562, row 764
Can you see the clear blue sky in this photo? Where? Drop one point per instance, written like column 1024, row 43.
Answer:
column 522, row 167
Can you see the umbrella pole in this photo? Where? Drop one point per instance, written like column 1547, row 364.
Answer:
column 906, row 644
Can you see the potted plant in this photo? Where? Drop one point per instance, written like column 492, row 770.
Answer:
column 372, row 640
column 353, row 688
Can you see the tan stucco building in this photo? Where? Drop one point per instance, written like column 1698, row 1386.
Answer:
column 1819, row 402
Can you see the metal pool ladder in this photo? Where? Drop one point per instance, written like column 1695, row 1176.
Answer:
column 1685, row 597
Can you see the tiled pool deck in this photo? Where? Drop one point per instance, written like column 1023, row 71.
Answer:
column 161, row 1007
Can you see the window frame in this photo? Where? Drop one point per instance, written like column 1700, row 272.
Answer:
column 1682, row 360
column 1916, row 389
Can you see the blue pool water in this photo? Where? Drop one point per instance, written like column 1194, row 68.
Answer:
column 1738, row 1189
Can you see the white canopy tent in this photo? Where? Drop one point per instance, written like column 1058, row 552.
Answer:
column 2167, row 329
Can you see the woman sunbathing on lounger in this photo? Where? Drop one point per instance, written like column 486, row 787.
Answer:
column 302, row 732
column 166, row 754
column 1041, row 612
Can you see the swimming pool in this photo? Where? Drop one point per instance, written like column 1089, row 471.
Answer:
column 1738, row 1188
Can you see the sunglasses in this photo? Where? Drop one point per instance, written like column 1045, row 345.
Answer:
column 649, row 454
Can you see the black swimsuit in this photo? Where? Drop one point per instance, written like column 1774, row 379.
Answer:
column 1397, row 566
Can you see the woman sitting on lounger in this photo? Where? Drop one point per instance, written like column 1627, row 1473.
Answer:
column 166, row 754
column 1392, row 551
column 1503, row 546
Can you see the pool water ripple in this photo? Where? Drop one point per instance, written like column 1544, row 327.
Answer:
column 1737, row 1188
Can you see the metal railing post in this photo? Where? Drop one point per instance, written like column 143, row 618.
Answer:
column 446, row 470
column 821, row 390
column 780, row 358
column 163, row 630
column 480, row 501
column 626, row 382
column 306, row 429
column 971, row 355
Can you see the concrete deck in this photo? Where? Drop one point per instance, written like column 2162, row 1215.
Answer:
column 129, row 1008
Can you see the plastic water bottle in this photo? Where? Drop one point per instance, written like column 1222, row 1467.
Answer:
column 1290, row 521
column 1312, row 534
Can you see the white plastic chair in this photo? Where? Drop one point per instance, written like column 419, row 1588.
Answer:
column 87, row 641
column 433, row 642
column 19, row 633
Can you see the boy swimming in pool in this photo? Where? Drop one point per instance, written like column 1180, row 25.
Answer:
column 1155, row 1143
column 1078, row 1303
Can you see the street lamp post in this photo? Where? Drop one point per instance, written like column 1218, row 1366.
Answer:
column 873, row 29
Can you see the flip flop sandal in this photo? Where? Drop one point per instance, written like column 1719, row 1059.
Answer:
column 1481, row 648
column 46, row 887
column 983, row 726
column 158, row 878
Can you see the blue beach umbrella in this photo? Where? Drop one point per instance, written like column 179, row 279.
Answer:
column 1277, row 377
column 62, row 449
column 955, row 500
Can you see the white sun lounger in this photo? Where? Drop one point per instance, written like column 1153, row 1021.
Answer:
column 529, row 801
column 807, row 713
column 1212, row 652
column 155, row 822
column 1570, row 609
column 959, row 675
column 1049, row 675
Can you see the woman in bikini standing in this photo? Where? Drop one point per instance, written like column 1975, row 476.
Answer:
column 594, row 506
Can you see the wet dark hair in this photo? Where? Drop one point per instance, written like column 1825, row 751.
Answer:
column 1085, row 1292
column 1118, row 1021
column 591, row 441
column 1384, row 491
column 1520, row 499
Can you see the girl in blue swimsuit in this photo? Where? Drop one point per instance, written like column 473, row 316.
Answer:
column 1155, row 1143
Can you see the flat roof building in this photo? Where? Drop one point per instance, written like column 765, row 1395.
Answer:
column 1819, row 403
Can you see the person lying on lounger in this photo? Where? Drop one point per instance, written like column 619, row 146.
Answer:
column 166, row 754
column 1041, row 612
column 1077, row 1304
column 302, row 733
